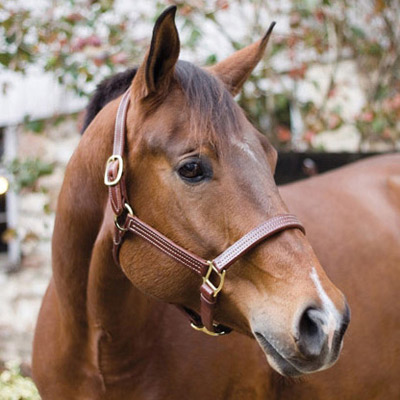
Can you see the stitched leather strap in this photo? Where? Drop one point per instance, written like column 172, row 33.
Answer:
column 117, row 191
column 212, row 272
column 225, row 259
column 167, row 246
column 255, row 236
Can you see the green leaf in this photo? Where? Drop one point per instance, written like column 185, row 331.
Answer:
column 36, row 126
column 358, row 32
column 5, row 59
column 378, row 125
column 194, row 37
column 211, row 59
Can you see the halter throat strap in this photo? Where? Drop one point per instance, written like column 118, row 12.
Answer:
column 213, row 271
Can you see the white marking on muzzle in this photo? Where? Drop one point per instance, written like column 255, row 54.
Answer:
column 332, row 314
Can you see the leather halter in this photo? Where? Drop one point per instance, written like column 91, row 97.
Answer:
column 212, row 271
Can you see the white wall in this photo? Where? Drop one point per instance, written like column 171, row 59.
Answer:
column 36, row 95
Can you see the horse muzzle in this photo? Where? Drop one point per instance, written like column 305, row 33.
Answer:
column 314, row 344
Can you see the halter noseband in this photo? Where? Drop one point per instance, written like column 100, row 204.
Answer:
column 212, row 272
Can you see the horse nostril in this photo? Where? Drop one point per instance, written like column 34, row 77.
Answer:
column 311, row 337
column 308, row 326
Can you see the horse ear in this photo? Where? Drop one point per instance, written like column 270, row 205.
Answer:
column 235, row 70
column 157, row 69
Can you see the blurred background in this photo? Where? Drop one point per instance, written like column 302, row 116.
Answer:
column 326, row 93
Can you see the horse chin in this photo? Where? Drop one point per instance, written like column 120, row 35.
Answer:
column 277, row 362
column 285, row 365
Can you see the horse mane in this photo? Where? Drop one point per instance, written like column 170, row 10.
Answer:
column 108, row 90
column 212, row 110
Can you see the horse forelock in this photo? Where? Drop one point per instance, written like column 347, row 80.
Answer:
column 212, row 113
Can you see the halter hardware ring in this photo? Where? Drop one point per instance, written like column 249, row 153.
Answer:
column 205, row 330
column 130, row 211
column 221, row 276
column 111, row 159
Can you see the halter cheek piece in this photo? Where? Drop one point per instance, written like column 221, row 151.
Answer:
column 212, row 272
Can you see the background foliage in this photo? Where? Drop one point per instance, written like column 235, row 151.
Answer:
column 82, row 41
column 14, row 386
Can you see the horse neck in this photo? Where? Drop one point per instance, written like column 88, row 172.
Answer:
column 94, row 296
column 122, row 321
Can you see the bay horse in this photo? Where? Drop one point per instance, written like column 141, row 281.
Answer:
column 195, row 170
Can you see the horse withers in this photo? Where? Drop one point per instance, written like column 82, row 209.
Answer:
column 201, row 176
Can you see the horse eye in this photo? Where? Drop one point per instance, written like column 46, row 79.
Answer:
column 192, row 171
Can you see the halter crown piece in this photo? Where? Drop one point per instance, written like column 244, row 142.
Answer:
column 211, row 271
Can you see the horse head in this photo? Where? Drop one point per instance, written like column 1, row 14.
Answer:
column 200, row 173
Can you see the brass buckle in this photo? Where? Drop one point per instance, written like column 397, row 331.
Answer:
column 205, row 330
column 130, row 211
column 114, row 157
column 221, row 276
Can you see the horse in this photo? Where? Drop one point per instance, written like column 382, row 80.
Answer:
column 187, row 162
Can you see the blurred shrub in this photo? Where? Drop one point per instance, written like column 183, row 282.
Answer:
column 13, row 386
column 82, row 41
column 26, row 172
